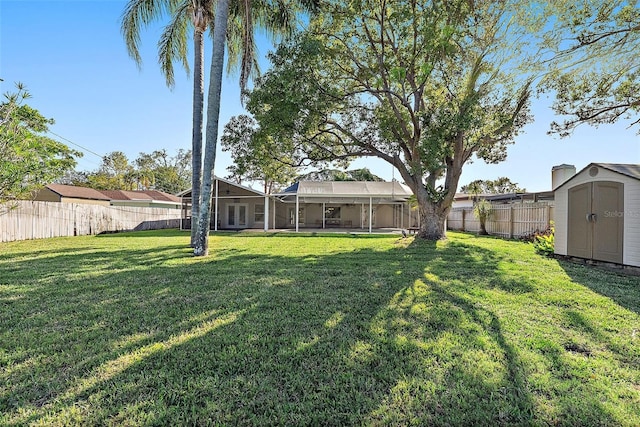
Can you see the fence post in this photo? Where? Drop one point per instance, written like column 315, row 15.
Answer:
column 463, row 225
column 547, row 214
column 511, row 221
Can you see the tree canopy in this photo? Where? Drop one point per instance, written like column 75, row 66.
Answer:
column 500, row 185
column 28, row 158
column 363, row 174
column 423, row 85
column 595, row 70
column 254, row 158
column 155, row 171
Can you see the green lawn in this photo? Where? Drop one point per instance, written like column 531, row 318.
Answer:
column 281, row 329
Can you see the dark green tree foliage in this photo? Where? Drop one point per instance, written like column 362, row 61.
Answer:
column 155, row 171
column 595, row 70
column 424, row 85
column 253, row 156
column 501, row 185
column 162, row 172
column 28, row 159
column 363, row 174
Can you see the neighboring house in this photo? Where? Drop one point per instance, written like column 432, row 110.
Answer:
column 73, row 194
column 145, row 199
column 598, row 214
column 464, row 200
column 310, row 205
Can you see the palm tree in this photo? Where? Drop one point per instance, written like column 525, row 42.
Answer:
column 277, row 18
column 173, row 47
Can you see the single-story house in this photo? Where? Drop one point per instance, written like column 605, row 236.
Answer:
column 233, row 207
column 73, row 194
column 143, row 198
column 598, row 214
column 310, row 205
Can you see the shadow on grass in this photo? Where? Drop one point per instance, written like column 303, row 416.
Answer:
column 624, row 289
column 382, row 336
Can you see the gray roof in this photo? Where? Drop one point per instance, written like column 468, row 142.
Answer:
column 627, row 169
column 631, row 170
column 344, row 191
column 187, row 193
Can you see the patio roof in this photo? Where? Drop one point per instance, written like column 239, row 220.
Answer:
column 346, row 191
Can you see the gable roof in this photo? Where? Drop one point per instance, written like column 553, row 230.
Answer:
column 74, row 192
column 187, row 193
column 140, row 195
column 628, row 169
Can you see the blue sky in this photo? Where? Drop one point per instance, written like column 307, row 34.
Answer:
column 72, row 58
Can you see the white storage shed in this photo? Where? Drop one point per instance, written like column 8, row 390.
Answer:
column 598, row 214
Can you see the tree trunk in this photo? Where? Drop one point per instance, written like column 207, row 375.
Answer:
column 196, row 137
column 201, row 247
column 432, row 220
column 483, row 228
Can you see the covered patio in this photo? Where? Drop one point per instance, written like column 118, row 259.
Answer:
column 353, row 205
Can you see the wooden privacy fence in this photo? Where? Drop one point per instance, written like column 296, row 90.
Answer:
column 39, row 220
column 514, row 220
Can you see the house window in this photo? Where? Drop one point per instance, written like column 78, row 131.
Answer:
column 332, row 212
column 259, row 214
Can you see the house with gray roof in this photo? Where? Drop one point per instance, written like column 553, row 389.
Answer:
column 347, row 205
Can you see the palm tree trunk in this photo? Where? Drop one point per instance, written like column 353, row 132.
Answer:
column 196, row 139
column 201, row 247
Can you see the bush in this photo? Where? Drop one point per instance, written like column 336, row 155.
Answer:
column 483, row 210
column 544, row 241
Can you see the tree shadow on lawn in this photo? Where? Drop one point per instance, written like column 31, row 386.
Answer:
column 622, row 288
column 393, row 336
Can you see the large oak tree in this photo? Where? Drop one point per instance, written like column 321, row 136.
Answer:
column 423, row 85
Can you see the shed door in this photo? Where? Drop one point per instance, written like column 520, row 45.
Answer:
column 608, row 206
column 595, row 222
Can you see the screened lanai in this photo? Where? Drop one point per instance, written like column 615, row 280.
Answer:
column 361, row 205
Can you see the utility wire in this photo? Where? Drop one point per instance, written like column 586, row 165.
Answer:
column 77, row 145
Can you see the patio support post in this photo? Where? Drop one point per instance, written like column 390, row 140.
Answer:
column 266, row 213
column 215, row 207
column 402, row 215
column 297, row 211
column 370, row 213
column 274, row 214
column 323, row 214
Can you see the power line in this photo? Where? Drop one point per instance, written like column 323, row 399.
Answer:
column 77, row 145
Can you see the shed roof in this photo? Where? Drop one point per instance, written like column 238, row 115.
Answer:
column 628, row 169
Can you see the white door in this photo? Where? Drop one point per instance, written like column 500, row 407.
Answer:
column 237, row 215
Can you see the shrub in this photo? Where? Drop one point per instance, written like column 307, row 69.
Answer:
column 482, row 210
column 544, row 241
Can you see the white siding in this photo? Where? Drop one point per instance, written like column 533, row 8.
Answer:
column 631, row 245
column 631, row 250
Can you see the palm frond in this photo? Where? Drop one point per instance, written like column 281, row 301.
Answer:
column 173, row 41
column 137, row 15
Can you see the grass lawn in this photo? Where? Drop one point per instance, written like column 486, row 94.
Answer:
column 282, row 329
